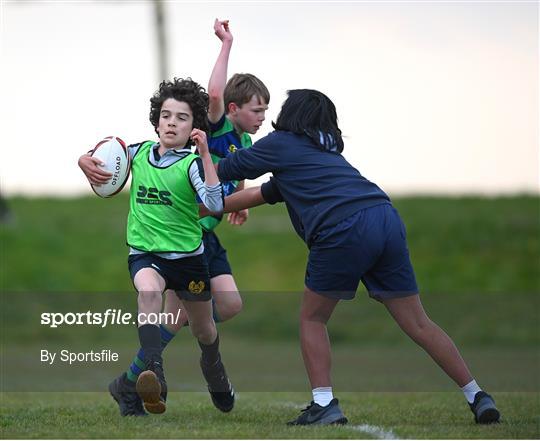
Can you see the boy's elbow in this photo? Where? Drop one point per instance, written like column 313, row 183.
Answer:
column 215, row 108
column 215, row 95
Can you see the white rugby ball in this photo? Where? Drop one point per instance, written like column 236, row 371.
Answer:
column 112, row 151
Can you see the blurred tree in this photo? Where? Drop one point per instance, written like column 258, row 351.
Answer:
column 161, row 39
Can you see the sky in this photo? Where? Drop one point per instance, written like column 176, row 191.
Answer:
column 432, row 97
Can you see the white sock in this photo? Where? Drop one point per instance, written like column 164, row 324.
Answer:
column 322, row 395
column 470, row 390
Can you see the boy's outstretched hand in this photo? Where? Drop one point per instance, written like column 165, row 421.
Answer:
column 221, row 29
column 199, row 138
column 238, row 217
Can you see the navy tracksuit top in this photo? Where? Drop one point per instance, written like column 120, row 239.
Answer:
column 319, row 187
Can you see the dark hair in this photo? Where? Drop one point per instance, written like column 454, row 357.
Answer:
column 185, row 90
column 312, row 113
column 241, row 87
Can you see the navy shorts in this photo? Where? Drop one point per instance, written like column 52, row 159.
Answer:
column 187, row 276
column 370, row 246
column 216, row 255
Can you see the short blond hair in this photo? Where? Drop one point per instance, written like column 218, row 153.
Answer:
column 241, row 87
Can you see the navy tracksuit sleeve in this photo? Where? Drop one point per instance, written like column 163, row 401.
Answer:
column 250, row 163
column 270, row 192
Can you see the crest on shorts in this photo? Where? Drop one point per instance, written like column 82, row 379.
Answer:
column 232, row 148
column 196, row 287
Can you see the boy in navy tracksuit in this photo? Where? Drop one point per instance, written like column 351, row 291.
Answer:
column 353, row 233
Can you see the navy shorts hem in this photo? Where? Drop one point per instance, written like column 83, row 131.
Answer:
column 216, row 255
column 338, row 295
column 187, row 276
column 387, row 295
column 194, row 296
column 221, row 272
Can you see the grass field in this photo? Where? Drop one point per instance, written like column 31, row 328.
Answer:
column 457, row 245
column 476, row 261
column 263, row 415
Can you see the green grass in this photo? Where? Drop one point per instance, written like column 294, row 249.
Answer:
column 262, row 415
column 476, row 261
column 470, row 255
column 508, row 320
column 266, row 366
column 458, row 245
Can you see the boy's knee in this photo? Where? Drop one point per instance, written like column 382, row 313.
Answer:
column 149, row 299
column 230, row 308
column 148, row 290
column 183, row 319
column 149, row 295
column 418, row 330
column 206, row 337
column 203, row 331
column 175, row 325
column 316, row 308
column 314, row 315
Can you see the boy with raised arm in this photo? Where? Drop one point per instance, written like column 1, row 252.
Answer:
column 165, row 240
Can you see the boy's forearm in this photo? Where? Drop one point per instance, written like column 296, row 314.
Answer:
column 248, row 198
column 218, row 78
column 240, row 200
column 217, row 83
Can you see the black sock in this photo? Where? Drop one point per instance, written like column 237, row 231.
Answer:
column 210, row 353
column 150, row 339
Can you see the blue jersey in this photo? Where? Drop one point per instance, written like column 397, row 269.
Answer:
column 222, row 142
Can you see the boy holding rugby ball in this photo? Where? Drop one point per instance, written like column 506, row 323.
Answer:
column 165, row 239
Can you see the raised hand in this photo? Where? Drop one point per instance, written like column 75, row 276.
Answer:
column 199, row 138
column 221, row 29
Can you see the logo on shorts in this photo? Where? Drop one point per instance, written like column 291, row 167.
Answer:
column 196, row 287
column 232, row 148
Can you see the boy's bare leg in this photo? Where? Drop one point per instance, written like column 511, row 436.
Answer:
column 201, row 322
column 227, row 300
column 171, row 305
column 151, row 385
column 314, row 314
column 412, row 319
column 149, row 285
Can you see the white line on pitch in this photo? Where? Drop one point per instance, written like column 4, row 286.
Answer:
column 376, row 431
